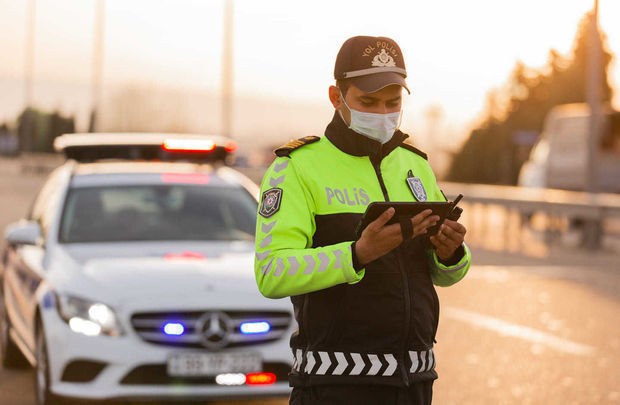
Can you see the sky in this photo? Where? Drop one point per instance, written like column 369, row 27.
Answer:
column 455, row 51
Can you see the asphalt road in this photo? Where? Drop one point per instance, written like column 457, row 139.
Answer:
column 516, row 330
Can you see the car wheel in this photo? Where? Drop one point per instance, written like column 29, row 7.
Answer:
column 11, row 355
column 41, row 372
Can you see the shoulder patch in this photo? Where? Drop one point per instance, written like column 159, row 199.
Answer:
column 286, row 149
column 270, row 202
column 413, row 149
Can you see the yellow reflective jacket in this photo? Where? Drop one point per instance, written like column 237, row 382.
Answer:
column 313, row 196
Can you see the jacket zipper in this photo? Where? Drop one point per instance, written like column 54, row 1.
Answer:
column 376, row 166
column 405, row 281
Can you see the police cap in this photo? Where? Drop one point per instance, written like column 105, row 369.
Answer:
column 371, row 63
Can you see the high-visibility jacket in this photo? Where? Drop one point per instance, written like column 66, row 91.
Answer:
column 375, row 324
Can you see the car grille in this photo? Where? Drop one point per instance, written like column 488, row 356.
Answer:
column 211, row 329
column 151, row 374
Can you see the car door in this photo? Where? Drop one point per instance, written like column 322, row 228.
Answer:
column 24, row 269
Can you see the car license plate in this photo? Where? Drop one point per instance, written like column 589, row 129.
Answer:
column 212, row 364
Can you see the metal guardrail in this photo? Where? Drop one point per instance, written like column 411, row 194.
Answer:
column 31, row 162
column 41, row 163
column 590, row 211
column 570, row 203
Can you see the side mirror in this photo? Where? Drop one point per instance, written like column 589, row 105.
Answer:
column 23, row 233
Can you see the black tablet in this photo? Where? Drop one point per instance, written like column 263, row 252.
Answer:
column 405, row 210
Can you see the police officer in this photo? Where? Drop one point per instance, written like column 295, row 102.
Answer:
column 366, row 308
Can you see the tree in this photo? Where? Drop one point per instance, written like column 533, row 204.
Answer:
column 37, row 130
column 492, row 154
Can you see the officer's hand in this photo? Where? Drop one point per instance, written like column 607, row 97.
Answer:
column 450, row 236
column 378, row 239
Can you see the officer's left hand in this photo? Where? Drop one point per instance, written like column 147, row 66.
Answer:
column 450, row 236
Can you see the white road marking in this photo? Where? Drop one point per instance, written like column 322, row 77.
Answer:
column 518, row 331
column 489, row 273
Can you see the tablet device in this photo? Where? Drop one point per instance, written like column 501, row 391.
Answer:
column 404, row 210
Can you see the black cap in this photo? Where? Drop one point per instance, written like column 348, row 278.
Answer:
column 371, row 63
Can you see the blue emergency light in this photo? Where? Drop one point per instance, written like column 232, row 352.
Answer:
column 252, row 328
column 174, row 329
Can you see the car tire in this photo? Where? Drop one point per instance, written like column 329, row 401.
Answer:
column 41, row 371
column 12, row 357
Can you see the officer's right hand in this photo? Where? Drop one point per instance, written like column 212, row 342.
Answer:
column 378, row 238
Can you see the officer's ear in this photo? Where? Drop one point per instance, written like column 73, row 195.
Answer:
column 335, row 97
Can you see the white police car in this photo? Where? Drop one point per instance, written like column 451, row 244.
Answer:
column 132, row 277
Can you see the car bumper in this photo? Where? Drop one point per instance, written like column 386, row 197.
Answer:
column 159, row 394
column 130, row 368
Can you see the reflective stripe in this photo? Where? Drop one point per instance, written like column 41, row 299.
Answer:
column 369, row 71
column 432, row 361
column 279, row 267
column 356, row 363
column 376, row 364
column 295, row 362
column 275, row 181
column 266, row 228
column 359, row 364
column 310, row 263
column 324, row 261
column 267, row 267
column 325, row 363
column 351, row 256
column 266, row 241
column 299, row 358
column 423, row 360
column 392, row 364
column 414, row 362
column 310, row 362
column 338, row 253
column 294, row 265
column 342, row 363
column 262, row 255
column 278, row 167
column 452, row 270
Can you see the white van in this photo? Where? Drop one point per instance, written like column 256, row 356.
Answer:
column 559, row 158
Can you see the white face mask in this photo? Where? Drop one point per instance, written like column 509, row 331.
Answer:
column 379, row 127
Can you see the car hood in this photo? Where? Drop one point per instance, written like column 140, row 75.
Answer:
column 162, row 275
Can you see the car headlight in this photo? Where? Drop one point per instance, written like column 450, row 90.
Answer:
column 88, row 317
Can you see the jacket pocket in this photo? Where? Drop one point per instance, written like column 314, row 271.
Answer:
column 372, row 314
column 333, row 335
column 321, row 311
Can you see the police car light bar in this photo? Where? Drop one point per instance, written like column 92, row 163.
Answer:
column 188, row 145
column 231, row 146
column 89, row 147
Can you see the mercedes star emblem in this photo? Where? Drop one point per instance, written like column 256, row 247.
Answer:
column 215, row 329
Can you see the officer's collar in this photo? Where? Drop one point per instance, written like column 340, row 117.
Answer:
column 356, row 144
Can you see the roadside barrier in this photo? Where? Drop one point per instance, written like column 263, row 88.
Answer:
column 498, row 212
column 595, row 217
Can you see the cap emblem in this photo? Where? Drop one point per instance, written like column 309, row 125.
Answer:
column 382, row 59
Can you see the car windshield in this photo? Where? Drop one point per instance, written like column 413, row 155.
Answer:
column 158, row 213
